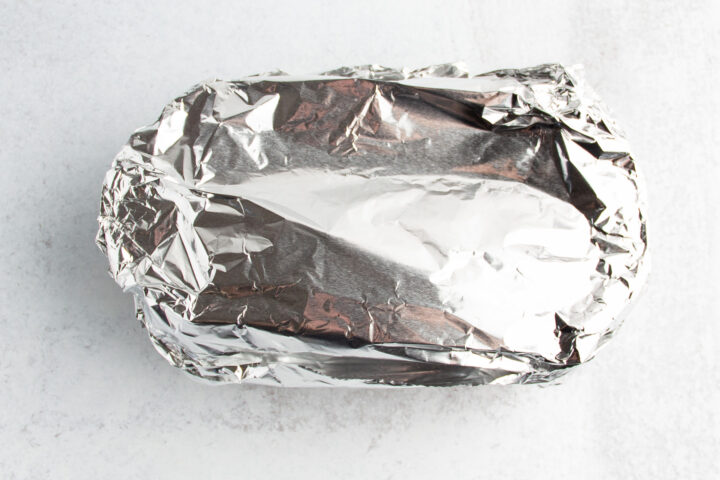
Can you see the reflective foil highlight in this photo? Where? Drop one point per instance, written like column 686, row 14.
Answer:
column 373, row 226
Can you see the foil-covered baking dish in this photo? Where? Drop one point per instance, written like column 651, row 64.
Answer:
column 375, row 226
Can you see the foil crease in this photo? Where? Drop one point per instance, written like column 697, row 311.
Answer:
column 376, row 226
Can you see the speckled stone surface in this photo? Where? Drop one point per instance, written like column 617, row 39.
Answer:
column 83, row 395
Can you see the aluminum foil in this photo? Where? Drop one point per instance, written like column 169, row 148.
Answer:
column 375, row 226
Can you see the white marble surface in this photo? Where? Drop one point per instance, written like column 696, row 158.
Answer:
column 84, row 396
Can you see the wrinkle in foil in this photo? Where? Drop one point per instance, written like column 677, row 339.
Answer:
column 376, row 226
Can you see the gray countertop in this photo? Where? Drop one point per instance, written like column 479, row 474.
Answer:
column 83, row 395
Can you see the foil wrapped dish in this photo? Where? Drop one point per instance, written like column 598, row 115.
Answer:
column 371, row 226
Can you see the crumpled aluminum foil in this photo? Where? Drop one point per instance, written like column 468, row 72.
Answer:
column 374, row 226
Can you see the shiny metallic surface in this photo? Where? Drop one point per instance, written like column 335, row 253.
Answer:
column 374, row 226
